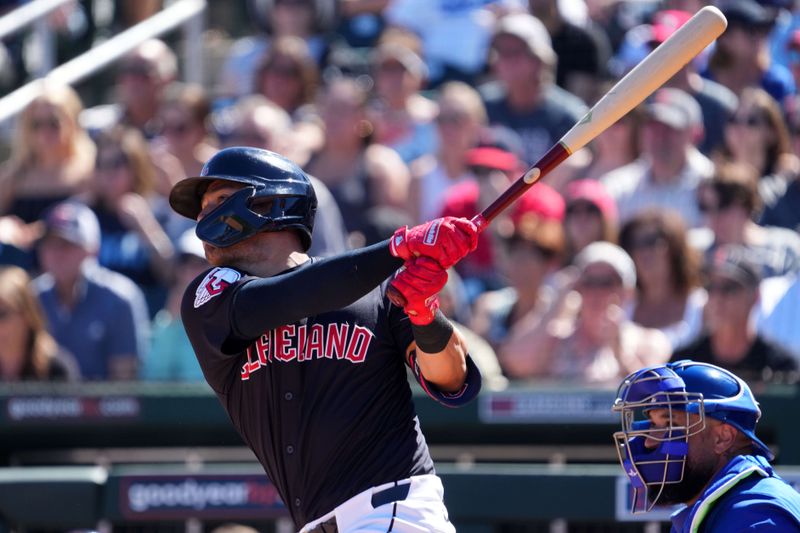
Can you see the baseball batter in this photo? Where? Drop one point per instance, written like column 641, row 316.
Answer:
column 308, row 356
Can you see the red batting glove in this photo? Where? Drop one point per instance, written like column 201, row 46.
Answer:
column 419, row 282
column 447, row 240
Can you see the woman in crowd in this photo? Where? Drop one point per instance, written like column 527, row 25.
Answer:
column 729, row 201
column 184, row 129
column 27, row 351
column 669, row 296
column 757, row 135
column 133, row 242
column 51, row 158
column 584, row 337
column 359, row 174
column 289, row 76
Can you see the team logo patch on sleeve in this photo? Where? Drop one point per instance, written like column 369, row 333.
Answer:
column 214, row 283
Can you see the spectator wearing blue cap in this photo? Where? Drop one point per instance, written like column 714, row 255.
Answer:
column 742, row 58
column 98, row 315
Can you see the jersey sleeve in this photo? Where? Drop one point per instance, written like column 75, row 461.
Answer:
column 206, row 314
column 469, row 390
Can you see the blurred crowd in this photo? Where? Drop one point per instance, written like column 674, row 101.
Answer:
column 673, row 234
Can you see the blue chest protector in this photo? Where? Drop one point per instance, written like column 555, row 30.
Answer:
column 745, row 496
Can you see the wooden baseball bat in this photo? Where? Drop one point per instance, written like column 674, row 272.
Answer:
column 652, row 72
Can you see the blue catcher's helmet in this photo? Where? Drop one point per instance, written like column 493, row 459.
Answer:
column 278, row 195
column 698, row 388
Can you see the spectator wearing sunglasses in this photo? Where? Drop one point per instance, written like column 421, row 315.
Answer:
column 668, row 292
column 132, row 219
column 141, row 81
column 585, row 337
column 27, row 350
column 729, row 202
column 730, row 340
column 51, row 156
column 184, row 129
column 591, row 215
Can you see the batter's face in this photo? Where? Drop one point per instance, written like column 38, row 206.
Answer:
column 218, row 192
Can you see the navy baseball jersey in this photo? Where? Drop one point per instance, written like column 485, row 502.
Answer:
column 324, row 401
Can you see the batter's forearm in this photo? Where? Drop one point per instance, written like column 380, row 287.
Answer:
column 447, row 369
column 323, row 286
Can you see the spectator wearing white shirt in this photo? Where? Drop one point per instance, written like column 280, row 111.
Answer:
column 670, row 168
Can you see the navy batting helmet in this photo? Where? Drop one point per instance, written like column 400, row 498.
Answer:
column 699, row 388
column 278, row 195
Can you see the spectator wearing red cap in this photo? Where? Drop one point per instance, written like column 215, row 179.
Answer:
column 495, row 163
column 529, row 248
column 590, row 216
column 716, row 101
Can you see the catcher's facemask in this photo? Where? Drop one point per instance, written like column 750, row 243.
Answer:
column 651, row 455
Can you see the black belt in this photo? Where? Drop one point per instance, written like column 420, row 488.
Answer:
column 394, row 493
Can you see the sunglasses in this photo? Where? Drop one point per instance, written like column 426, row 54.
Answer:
column 751, row 121
column 284, row 70
column 51, row 123
column 582, row 208
column 452, row 119
column 175, row 128
column 646, row 241
column 111, row 163
column 598, row 282
column 725, row 288
column 710, row 208
column 136, row 70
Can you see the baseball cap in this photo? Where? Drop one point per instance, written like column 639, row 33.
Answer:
column 499, row 148
column 404, row 55
column 531, row 31
column 667, row 22
column 73, row 222
column 735, row 262
column 747, row 13
column 611, row 255
column 541, row 200
column 675, row 108
column 594, row 192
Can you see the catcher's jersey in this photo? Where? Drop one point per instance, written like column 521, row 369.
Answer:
column 324, row 402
